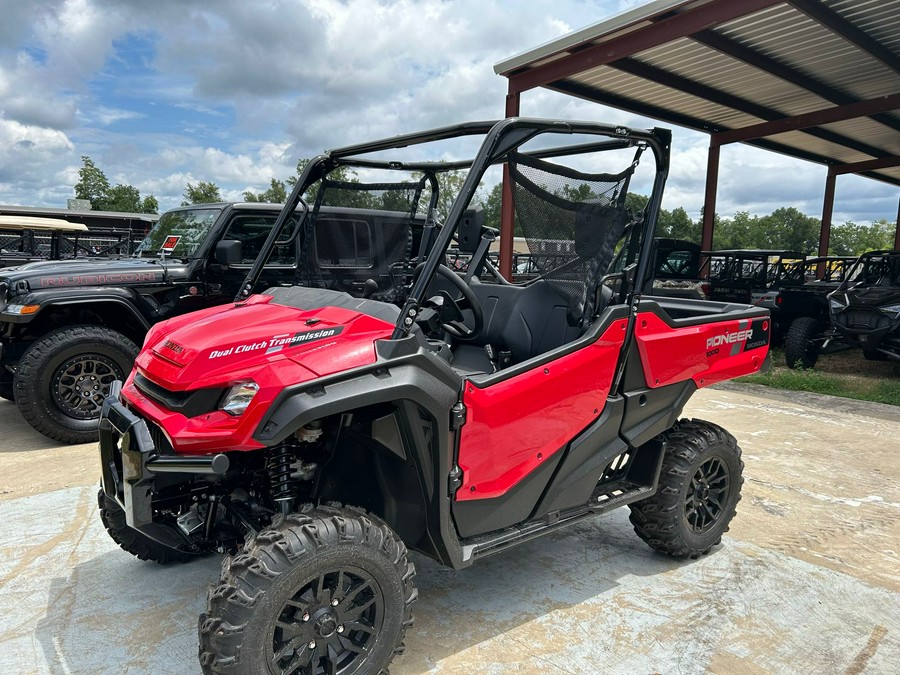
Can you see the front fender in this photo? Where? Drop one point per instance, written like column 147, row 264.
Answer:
column 405, row 373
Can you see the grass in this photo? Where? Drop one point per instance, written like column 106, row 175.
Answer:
column 846, row 374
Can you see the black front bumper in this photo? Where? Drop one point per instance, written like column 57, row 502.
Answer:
column 131, row 463
column 125, row 448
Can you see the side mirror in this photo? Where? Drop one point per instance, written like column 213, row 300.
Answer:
column 468, row 234
column 229, row 252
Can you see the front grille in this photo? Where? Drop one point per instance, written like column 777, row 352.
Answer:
column 862, row 319
column 188, row 403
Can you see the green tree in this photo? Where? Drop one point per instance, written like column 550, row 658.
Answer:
column 492, row 205
column 125, row 198
column 449, row 185
column 92, row 184
column 678, row 225
column 150, row 205
column 853, row 239
column 276, row 194
column 635, row 202
column 787, row 228
column 202, row 193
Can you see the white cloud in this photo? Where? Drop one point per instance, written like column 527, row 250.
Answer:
column 235, row 92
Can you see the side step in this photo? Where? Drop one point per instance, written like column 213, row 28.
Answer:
column 605, row 497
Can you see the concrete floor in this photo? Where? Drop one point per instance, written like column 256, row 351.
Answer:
column 808, row 579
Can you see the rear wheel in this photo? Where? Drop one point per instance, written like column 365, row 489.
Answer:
column 699, row 488
column 802, row 343
column 328, row 590
column 131, row 540
column 63, row 378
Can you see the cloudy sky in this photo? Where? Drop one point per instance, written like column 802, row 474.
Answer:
column 160, row 93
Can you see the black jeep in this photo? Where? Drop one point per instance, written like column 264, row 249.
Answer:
column 68, row 329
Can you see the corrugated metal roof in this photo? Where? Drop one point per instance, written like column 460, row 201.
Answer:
column 722, row 65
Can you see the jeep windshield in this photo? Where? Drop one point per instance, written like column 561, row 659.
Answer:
column 179, row 233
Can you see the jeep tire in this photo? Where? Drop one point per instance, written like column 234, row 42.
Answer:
column 801, row 346
column 328, row 590
column 63, row 378
column 132, row 541
column 699, row 488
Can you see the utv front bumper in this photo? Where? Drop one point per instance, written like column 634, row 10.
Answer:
column 130, row 463
column 868, row 328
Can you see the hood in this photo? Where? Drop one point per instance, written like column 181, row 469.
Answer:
column 92, row 272
column 221, row 346
column 872, row 296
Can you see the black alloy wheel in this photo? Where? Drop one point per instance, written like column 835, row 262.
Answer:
column 699, row 487
column 326, row 591
column 80, row 385
column 329, row 624
column 707, row 495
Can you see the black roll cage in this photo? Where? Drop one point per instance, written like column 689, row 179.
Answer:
column 501, row 138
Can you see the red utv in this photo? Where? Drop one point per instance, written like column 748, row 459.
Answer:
column 314, row 435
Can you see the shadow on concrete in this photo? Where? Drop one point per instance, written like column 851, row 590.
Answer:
column 115, row 614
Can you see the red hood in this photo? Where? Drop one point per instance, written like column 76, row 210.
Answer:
column 223, row 345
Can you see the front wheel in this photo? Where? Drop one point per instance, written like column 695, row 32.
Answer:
column 63, row 378
column 699, row 488
column 327, row 590
column 802, row 343
column 132, row 541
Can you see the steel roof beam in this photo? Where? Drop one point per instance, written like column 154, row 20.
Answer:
column 840, row 26
column 869, row 165
column 813, row 119
column 596, row 95
column 723, row 98
column 680, row 25
column 767, row 64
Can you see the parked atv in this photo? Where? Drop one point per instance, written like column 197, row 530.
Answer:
column 865, row 308
column 752, row 276
column 315, row 435
column 804, row 308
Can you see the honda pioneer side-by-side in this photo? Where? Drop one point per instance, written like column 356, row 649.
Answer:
column 316, row 433
column 69, row 328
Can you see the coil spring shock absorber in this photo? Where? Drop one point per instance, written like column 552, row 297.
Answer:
column 281, row 486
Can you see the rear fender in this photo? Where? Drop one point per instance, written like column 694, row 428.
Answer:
column 703, row 342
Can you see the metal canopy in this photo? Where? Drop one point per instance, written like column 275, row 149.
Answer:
column 813, row 79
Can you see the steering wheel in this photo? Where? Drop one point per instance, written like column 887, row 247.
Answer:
column 451, row 316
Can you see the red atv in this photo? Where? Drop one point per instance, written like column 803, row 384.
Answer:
column 316, row 432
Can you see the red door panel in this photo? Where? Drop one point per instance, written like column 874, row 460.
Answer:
column 512, row 427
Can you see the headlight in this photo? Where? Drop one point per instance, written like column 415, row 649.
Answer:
column 835, row 304
column 892, row 310
column 238, row 397
column 21, row 309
